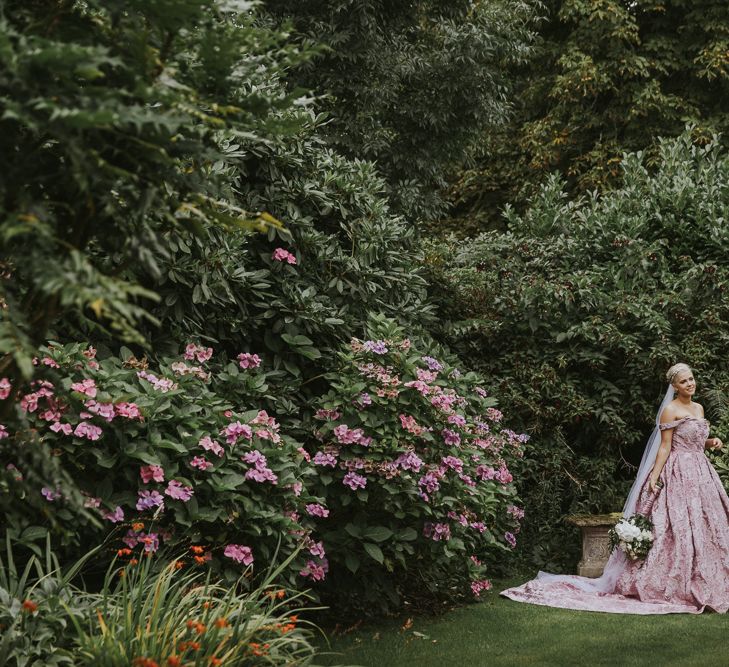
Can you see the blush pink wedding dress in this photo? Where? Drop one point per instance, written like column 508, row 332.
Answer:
column 687, row 568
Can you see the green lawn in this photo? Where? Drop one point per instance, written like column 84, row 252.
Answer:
column 499, row 631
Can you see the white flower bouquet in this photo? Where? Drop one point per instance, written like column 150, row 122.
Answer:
column 633, row 535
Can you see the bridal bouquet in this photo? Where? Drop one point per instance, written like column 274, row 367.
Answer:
column 633, row 535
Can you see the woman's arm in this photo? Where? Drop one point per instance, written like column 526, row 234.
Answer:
column 664, row 450
column 711, row 443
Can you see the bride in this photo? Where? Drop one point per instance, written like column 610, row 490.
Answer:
column 687, row 568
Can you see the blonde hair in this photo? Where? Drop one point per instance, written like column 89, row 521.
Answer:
column 675, row 370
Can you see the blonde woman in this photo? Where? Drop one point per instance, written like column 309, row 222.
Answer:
column 687, row 567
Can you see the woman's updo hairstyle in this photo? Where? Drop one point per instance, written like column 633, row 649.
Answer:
column 675, row 370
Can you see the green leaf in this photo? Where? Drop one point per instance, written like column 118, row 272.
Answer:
column 374, row 552
column 377, row 533
column 352, row 562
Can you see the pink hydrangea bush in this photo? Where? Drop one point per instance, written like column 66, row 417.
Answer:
column 417, row 483
column 169, row 456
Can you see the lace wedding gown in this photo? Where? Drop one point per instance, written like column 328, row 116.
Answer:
column 687, row 568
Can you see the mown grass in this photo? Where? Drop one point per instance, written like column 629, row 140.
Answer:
column 500, row 632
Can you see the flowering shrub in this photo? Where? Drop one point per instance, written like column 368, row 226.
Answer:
column 414, row 467
column 171, row 455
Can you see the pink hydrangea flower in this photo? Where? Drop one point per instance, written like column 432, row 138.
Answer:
column 354, row 481
column 239, row 553
column 210, row 445
column 437, row 531
column 315, row 571
column 47, row 361
column 324, row 459
column 315, row 509
column 494, row 415
column 162, row 385
column 237, row 430
column 317, row 549
column 114, row 517
column 86, row 387
column 327, row 415
column 246, row 360
column 282, row 255
column 452, row 462
column 201, row 463
column 29, row 402
column 409, row 461
column 4, row 432
column 5, row 388
column 198, row 353
column 104, row 410
column 450, row 437
column 50, row 494
column 410, row 425
column 149, row 499
column 128, row 410
column 92, row 502
column 152, row 473
column 509, row 537
column 516, row 512
column 478, row 586
column 87, row 430
column 179, row 491
column 66, row 429
column 485, row 472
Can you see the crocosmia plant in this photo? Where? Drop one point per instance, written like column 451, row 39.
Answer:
column 413, row 459
column 175, row 455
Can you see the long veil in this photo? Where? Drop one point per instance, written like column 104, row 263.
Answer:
column 618, row 560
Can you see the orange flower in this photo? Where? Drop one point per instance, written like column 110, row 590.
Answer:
column 179, row 564
column 124, row 552
column 137, row 526
column 30, row 606
column 206, row 605
column 197, row 549
column 144, row 662
column 259, row 650
column 215, row 661
column 293, row 618
column 221, row 623
column 174, row 661
column 200, row 560
column 133, row 561
column 196, row 626
column 195, row 646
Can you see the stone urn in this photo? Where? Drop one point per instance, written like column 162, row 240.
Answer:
column 595, row 541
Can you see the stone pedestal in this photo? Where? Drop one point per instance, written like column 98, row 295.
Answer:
column 595, row 542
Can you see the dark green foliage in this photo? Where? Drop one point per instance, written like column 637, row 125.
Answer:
column 610, row 77
column 353, row 257
column 412, row 85
column 112, row 118
column 579, row 309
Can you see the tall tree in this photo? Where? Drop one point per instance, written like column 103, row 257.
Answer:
column 612, row 76
column 412, row 84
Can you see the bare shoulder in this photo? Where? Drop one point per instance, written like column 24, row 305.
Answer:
column 668, row 414
column 699, row 408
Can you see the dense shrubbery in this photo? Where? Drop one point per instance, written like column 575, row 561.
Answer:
column 179, row 455
column 413, row 463
column 577, row 311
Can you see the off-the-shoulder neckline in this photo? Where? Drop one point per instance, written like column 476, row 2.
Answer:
column 680, row 419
